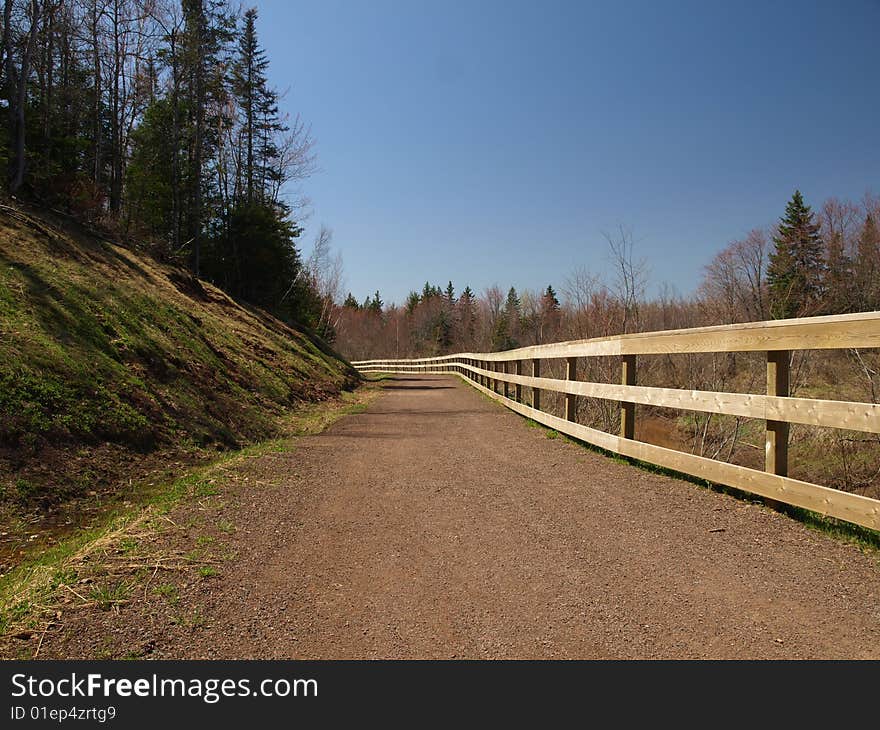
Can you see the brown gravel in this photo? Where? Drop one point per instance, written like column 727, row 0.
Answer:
column 438, row 525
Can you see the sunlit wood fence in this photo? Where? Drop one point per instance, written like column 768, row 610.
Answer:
column 514, row 379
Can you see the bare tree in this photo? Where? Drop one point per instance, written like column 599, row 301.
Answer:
column 631, row 276
column 735, row 280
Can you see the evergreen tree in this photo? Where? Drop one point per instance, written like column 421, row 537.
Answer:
column 513, row 314
column 549, row 300
column 249, row 85
column 430, row 291
column 207, row 33
column 351, row 302
column 376, row 305
column 450, row 295
column 467, row 317
column 412, row 301
column 796, row 270
column 549, row 315
column 261, row 125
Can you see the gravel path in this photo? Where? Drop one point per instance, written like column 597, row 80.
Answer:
column 438, row 525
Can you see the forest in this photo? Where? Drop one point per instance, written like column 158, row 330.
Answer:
column 153, row 122
column 809, row 263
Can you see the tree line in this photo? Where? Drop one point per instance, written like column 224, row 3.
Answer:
column 155, row 120
column 809, row 263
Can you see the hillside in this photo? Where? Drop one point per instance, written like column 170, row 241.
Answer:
column 112, row 364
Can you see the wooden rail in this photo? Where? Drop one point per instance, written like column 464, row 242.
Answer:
column 489, row 372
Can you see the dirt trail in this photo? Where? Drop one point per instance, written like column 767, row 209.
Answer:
column 438, row 525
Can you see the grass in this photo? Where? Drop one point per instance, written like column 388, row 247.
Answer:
column 30, row 585
column 168, row 591
column 107, row 596
column 101, row 345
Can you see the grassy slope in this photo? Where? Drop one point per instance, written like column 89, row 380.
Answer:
column 106, row 355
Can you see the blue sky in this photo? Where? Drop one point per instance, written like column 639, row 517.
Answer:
column 492, row 142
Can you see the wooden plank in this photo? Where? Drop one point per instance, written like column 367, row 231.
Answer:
column 628, row 409
column 536, row 392
column 852, row 508
column 518, row 392
column 570, row 398
column 814, row 412
column 776, row 456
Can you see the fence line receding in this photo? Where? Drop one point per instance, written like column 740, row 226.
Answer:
column 494, row 373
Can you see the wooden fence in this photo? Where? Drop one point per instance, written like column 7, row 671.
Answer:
column 501, row 376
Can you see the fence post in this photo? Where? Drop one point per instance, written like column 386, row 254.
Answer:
column 536, row 392
column 628, row 410
column 506, row 367
column 571, row 399
column 518, row 385
column 776, row 461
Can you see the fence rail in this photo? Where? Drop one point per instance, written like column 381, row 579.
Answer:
column 494, row 374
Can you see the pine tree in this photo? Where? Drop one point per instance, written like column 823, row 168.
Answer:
column 412, row 301
column 796, row 270
column 248, row 81
column 450, row 295
column 260, row 122
column 549, row 300
column 507, row 326
column 467, row 317
column 549, row 315
column 350, row 302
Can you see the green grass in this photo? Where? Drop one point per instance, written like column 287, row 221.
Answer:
column 107, row 596
column 99, row 344
column 169, row 592
column 42, row 573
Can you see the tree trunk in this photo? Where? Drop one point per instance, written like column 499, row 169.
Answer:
column 21, row 100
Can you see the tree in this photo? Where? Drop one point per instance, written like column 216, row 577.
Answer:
column 207, row 31
column 549, row 316
column 412, row 301
column 351, row 302
column 838, row 283
column 17, row 87
column 450, row 295
column 375, row 305
column 260, row 123
column 867, row 270
column 467, row 318
column 796, row 270
column 513, row 314
column 269, row 276
column 734, row 282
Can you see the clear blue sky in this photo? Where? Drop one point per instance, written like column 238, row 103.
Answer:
column 493, row 141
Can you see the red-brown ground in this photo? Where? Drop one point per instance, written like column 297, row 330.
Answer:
column 437, row 524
